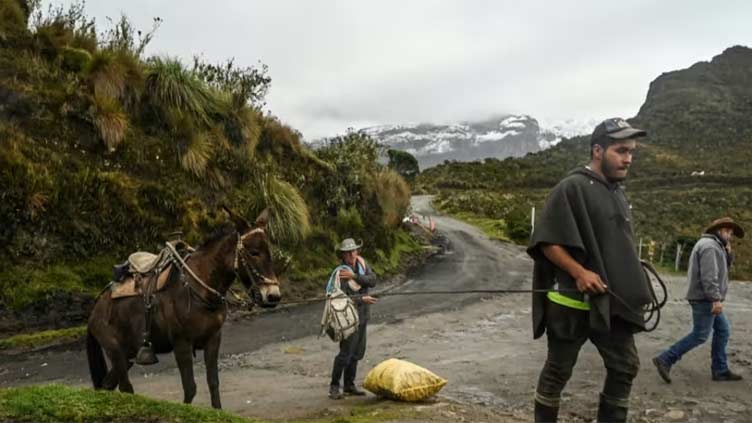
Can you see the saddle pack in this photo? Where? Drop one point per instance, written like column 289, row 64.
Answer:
column 135, row 276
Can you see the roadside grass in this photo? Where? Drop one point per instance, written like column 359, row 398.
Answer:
column 21, row 286
column 39, row 339
column 492, row 228
column 310, row 282
column 58, row 403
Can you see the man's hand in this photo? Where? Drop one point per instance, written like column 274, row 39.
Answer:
column 346, row 274
column 590, row 282
column 367, row 299
column 717, row 308
column 728, row 247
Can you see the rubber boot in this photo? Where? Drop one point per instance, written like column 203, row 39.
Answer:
column 609, row 413
column 545, row 414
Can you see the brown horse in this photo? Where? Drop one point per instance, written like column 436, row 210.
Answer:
column 189, row 311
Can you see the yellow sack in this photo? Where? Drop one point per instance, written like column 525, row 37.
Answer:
column 402, row 380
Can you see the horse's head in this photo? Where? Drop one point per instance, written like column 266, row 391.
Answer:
column 253, row 259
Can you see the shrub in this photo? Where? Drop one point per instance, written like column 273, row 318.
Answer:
column 75, row 59
column 248, row 86
column 12, row 19
column 518, row 224
column 58, row 28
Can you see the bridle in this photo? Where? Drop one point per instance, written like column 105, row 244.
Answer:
column 241, row 261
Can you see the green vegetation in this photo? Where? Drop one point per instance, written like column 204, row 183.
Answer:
column 43, row 338
column 57, row 403
column 698, row 121
column 106, row 152
column 404, row 163
column 492, row 228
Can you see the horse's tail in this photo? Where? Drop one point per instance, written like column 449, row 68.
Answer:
column 97, row 365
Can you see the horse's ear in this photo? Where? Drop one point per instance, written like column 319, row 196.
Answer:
column 241, row 225
column 263, row 218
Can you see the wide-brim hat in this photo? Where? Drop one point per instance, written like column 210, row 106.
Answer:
column 725, row 222
column 349, row 244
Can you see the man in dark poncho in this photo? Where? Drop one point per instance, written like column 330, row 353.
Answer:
column 584, row 252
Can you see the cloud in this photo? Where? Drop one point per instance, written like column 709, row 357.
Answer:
column 340, row 64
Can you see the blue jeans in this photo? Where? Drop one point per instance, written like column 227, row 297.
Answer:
column 703, row 322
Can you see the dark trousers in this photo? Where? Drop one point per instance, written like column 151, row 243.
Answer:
column 351, row 350
column 567, row 330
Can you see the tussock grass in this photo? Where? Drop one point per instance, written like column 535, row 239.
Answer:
column 393, row 195
column 110, row 120
column 290, row 220
column 195, row 158
column 106, row 75
column 172, row 87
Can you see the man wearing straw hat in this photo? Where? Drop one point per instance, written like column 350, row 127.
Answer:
column 708, row 276
column 359, row 279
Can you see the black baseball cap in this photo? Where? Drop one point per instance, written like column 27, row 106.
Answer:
column 616, row 129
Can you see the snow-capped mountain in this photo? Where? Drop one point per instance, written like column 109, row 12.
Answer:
column 501, row 137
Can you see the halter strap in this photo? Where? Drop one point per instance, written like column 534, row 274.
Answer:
column 190, row 272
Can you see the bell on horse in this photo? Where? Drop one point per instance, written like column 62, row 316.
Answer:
column 145, row 355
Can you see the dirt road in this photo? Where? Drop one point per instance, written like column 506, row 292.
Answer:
column 273, row 366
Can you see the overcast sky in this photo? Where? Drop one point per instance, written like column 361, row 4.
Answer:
column 349, row 63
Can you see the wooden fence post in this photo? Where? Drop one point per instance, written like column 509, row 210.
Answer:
column 679, row 248
column 639, row 249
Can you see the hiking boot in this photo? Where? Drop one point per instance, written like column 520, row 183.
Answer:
column 727, row 376
column 663, row 369
column 352, row 390
column 334, row 393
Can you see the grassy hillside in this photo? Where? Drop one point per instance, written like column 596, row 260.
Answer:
column 698, row 120
column 104, row 151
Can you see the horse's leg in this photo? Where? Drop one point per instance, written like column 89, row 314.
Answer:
column 111, row 380
column 118, row 375
column 211, row 356
column 120, row 362
column 125, row 381
column 184, row 357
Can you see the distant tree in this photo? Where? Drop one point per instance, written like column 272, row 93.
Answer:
column 403, row 163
